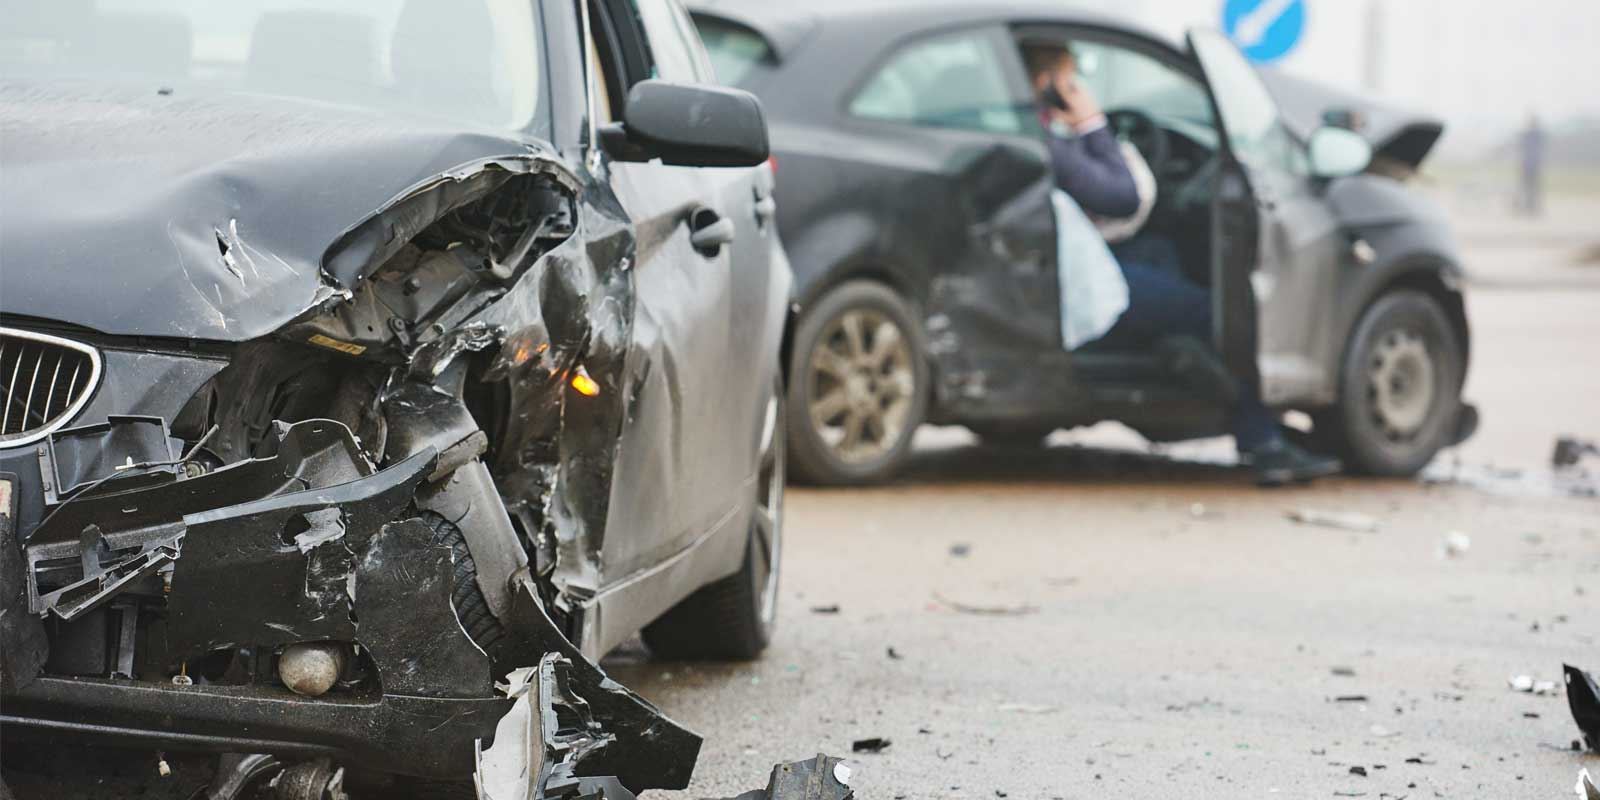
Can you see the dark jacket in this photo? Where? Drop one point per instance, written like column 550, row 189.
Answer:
column 1090, row 169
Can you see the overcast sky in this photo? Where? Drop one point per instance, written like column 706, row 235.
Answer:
column 1483, row 65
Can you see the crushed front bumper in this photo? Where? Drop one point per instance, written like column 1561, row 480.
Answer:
column 166, row 569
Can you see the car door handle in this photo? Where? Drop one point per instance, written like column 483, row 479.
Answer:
column 766, row 207
column 710, row 231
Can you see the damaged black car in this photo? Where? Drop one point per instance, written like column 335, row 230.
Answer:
column 371, row 369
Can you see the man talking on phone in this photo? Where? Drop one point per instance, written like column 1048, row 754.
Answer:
column 1160, row 309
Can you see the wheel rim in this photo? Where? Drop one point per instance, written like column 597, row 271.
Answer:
column 862, row 382
column 1401, row 384
column 768, row 531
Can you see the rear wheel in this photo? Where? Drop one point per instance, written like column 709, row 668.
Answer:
column 1400, row 387
column 860, row 386
column 732, row 619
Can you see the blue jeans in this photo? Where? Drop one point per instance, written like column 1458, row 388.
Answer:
column 1162, row 303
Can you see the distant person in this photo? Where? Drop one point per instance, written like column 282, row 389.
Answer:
column 1161, row 307
column 1531, row 149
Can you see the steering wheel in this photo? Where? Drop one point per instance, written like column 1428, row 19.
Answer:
column 1141, row 130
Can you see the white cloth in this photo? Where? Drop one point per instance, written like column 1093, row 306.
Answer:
column 1093, row 292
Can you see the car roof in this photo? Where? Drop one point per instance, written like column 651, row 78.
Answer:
column 786, row 25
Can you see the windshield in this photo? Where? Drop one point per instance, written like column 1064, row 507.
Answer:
column 736, row 51
column 470, row 61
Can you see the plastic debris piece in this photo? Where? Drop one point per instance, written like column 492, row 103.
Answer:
column 1583, row 697
column 1527, row 685
column 1341, row 520
column 960, row 550
column 1586, row 788
column 828, row 609
column 1455, row 544
column 876, row 744
column 1016, row 610
column 1027, row 708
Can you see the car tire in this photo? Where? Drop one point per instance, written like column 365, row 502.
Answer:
column 1399, row 387
column 1013, row 437
column 472, row 609
column 733, row 619
column 858, row 387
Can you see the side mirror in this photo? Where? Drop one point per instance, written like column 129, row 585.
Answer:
column 689, row 126
column 1337, row 152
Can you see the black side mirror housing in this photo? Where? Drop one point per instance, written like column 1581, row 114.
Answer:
column 689, row 126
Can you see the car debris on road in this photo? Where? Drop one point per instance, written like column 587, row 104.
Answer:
column 1583, row 697
column 1340, row 520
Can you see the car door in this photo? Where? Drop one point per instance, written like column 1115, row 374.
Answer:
column 958, row 112
column 1277, row 246
column 686, row 463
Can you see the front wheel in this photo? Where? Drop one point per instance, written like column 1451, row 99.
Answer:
column 732, row 619
column 858, row 388
column 1400, row 387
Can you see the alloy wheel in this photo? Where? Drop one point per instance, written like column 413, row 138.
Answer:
column 861, row 384
column 768, row 525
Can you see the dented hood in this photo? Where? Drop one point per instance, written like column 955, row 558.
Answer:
column 201, row 216
column 1396, row 134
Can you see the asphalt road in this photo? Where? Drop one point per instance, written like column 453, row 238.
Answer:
column 1159, row 628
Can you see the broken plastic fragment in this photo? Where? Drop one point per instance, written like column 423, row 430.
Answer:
column 1347, row 521
column 1583, row 697
column 1454, row 545
column 1527, row 685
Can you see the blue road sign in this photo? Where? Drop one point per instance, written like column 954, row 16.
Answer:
column 1266, row 30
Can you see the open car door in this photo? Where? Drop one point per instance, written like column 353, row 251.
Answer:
column 1249, row 120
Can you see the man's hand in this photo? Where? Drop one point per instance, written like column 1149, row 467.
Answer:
column 1082, row 108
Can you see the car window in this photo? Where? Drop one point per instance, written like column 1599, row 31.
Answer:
column 474, row 61
column 1256, row 133
column 736, row 51
column 951, row 81
column 674, row 44
column 1124, row 78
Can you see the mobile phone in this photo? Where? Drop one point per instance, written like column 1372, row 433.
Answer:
column 1052, row 96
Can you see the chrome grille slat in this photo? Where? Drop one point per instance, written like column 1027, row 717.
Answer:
column 34, row 400
column 11, row 389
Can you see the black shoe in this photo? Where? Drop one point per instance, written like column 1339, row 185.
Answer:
column 1281, row 463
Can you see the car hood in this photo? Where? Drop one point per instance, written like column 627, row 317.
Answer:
column 1397, row 135
column 193, row 215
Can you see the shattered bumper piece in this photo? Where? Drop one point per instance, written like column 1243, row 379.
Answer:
column 820, row 778
column 1583, row 696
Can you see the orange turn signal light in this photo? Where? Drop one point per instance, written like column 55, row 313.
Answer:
column 583, row 384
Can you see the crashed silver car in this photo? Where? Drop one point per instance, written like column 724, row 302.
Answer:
column 370, row 369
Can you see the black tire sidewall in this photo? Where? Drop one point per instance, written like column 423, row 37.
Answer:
column 1365, row 448
column 810, row 458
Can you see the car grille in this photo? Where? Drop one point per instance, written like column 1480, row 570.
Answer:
column 44, row 382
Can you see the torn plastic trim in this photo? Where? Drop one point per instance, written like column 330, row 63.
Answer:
column 638, row 745
column 126, row 526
